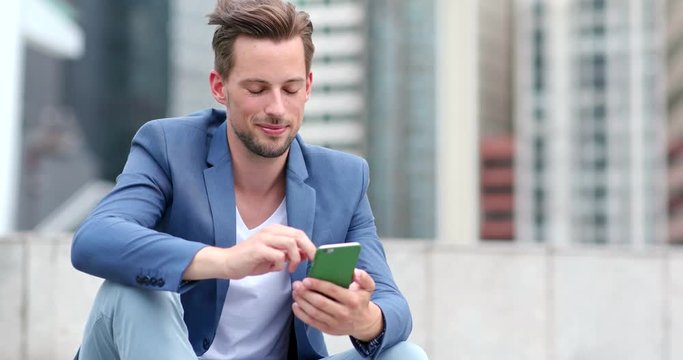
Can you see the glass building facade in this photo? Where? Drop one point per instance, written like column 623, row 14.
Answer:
column 402, row 117
column 80, row 115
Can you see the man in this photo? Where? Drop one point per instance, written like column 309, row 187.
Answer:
column 226, row 209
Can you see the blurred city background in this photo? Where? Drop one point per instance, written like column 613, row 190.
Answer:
column 541, row 131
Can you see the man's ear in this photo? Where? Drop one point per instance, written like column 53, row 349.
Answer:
column 309, row 84
column 218, row 87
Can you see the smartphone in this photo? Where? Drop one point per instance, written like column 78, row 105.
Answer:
column 335, row 263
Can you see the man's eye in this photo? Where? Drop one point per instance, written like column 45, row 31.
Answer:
column 255, row 91
column 291, row 91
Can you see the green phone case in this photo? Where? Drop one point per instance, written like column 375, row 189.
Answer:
column 335, row 263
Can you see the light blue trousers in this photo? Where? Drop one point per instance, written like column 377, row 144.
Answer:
column 130, row 323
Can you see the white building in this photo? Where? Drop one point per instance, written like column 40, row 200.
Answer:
column 590, row 121
column 336, row 113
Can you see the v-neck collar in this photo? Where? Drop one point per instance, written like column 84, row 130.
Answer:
column 241, row 224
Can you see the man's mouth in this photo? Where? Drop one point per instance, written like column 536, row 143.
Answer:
column 272, row 130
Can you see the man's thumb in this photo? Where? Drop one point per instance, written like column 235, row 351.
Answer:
column 363, row 280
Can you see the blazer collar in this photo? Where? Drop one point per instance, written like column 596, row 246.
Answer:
column 218, row 146
column 296, row 165
column 301, row 199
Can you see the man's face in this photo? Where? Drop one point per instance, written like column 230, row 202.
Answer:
column 265, row 94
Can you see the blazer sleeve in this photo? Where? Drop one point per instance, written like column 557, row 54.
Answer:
column 397, row 318
column 118, row 241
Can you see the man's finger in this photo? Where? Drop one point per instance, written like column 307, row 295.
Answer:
column 302, row 241
column 305, row 244
column 286, row 244
column 332, row 291
column 298, row 312
column 294, row 257
column 311, row 307
column 275, row 258
column 364, row 280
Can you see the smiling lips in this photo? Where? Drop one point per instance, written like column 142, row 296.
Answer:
column 272, row 130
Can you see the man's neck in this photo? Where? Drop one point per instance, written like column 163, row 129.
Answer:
column 255, row 175
column 259, row 183
column 259, row 178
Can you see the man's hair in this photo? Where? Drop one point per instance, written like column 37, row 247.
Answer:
column 261, row 19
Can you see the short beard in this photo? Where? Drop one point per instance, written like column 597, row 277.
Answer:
column 262, row 149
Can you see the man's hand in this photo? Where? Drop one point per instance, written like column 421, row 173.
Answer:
column 268, row 250
column 338, row 311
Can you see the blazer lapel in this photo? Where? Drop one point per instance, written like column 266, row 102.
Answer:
column 301, row 215
column 220, row 190
column 300, row 199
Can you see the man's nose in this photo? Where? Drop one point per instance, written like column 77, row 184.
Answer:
column 276, row 106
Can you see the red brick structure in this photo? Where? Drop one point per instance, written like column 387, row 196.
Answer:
column 497, row 188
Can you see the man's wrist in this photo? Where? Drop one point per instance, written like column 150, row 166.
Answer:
column 368, row 347
column 208, row 263
column 374, row 326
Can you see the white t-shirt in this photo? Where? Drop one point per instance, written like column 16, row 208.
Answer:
column 257, row 313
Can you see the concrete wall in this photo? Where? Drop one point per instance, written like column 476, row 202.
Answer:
column 44, row 300
column 503, row 301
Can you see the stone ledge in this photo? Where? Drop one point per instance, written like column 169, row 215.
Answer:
column 468, row 301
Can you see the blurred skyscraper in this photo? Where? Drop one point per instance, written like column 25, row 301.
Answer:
column 91, row 72
column 402, row 116
column 191, row 56
column 336, row 114
column 496, row 104
column 590, row 121
column 122, row 80
column 675, row 121
column 42, row 156
column 496, row 66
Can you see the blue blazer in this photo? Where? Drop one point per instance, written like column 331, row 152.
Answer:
column 175, row 196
